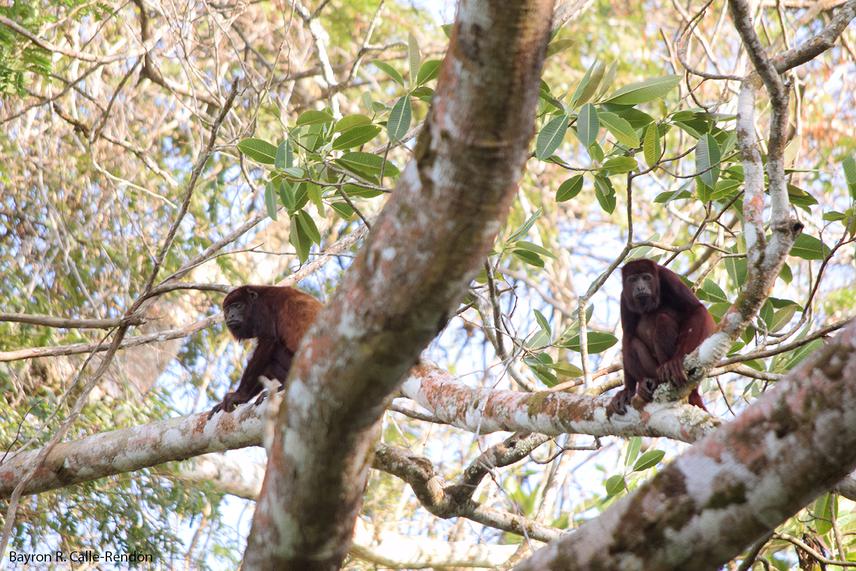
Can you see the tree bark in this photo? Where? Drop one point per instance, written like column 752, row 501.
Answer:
column 426, row 245
column 736, row 484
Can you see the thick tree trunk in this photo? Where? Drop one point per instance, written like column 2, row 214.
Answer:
column 425, row 247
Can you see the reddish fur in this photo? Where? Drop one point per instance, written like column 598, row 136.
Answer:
column 278, row 318
column 659, row 331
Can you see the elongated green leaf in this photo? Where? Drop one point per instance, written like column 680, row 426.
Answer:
column 355, row 137
column 570, row 188
column 559, row 45
column 620, row 129
column 587, row 125
column 530, row 258
column 707, row 158
column 413, row 57
column 399, row 119
column 588, row 84
column 619, row 165
column 428, row 71
column 551, row 136
column 298, row 238
column 644, row 91
column 525, row 245
column 651, row 145
column 825, row 512
column 598, row 342
column 270, row 200
column 809, row 248
column 648, row 460
column 606, row 82
column 284, row 155
column 351, row 121
column 633, row 447
column 390, row 71
column 343, row 209
column 258, row 150
column 314, row 117
column 849, row 165
column 605, row 193
column 308, row 226
column 366, row 164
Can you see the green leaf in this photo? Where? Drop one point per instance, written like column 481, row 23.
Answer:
column 608, row 78
column 413, row 57
column 528, row 257
column 620, row 129
column 551, row 136
column 651, row 145
column 314, row 117
column 299, row 239
column 355, row 137
column 399, row 119
column 284, row 155
column 710, row 291
column 707, row 159
column 643, row 91
column 366, row 164
column 633, row 447
column 428, row 71
column 570, row 188
column 615, row 484
column 604, row 193
column 390, row 71
column 559, row 45
column 270, row 200
column 619, row 165
column 525, row 227
column 343, row 209
column 825, row 512
column 849, row 165
column 543, row 323
column 259, row 150
column 308, row 226
column 588, row 84
column 524, row 245
column 351, row 121
column 598, row 342
column 587, row 125
column 809, row 248
column 648, row 460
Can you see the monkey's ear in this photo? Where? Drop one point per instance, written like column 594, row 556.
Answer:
column 253, row 293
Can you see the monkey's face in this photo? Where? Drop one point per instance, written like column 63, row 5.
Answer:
column 238, row 311
column 644, row 291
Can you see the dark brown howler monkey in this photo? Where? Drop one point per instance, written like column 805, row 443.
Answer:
column 663, row 321
column 277, row 317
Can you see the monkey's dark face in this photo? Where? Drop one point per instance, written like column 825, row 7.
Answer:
column 643, row 291
column 238, row 311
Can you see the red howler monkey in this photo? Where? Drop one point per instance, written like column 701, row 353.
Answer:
column 663, row 321
column 277, row 317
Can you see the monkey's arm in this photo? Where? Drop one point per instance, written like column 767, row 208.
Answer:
column 250, row 385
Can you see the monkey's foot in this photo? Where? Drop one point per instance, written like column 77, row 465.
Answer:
column 619, row 403
column 230, row 401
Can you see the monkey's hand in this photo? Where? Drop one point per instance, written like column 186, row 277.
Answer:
column 230, row 401
column 672, row 371
column 618, row 404
column 645, row 389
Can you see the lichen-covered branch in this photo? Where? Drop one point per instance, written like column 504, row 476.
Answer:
column 547, row 412
column 423, row 249
column 738, row 483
